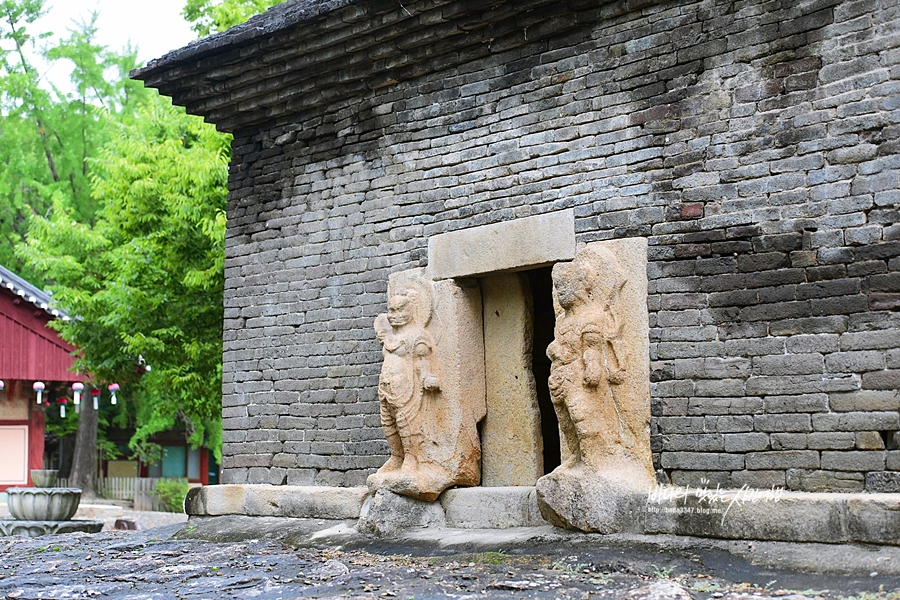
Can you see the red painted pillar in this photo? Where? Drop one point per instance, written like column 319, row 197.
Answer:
column 204, row 466
column 35, row 438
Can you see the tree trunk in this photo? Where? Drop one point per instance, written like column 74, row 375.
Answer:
column 66, row 448
column 84, row 460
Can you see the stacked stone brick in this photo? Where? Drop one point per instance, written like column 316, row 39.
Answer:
column 754, row 143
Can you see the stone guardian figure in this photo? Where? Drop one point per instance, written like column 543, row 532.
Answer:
column 587, row 359
column 599, row 384
column 428, row 430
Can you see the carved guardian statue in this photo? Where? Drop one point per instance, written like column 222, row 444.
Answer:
column 599, row 384
column 431, row 428
column 587, row 360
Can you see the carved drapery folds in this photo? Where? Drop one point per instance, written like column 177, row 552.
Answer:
column 599, row 383
column 589, row 362
column 431, row 387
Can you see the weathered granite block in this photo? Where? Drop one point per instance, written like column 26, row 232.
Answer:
column 491, row 507
column 315, row 502
column 384, row 513
column 511, row 442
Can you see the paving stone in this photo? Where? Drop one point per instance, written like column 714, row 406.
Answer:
column 831, row 441
column 869, row 440
column 789, row 441
column 825, row 481
column 865, row 400
column 860, row 461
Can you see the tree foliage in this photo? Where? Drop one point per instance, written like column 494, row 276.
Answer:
column 48, row 136
column 123, row 196
column 211, row 16
column 146, row 279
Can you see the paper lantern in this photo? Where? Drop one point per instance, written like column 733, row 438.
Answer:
column 77, row 389
column 113, row 388
column 39, row 388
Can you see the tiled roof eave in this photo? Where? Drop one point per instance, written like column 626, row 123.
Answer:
column 30, row 293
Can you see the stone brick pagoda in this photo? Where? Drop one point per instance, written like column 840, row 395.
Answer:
column 614, row 244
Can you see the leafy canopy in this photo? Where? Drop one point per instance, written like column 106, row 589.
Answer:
column 210, row 16
column 47, row 137
column 146, row 280
column 123, row 196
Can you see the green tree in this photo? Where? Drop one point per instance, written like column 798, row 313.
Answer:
column 140, row 259
column 146, row 280
column 211, row 16
column 47, row 136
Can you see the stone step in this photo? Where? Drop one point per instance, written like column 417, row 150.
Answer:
column 776, row 514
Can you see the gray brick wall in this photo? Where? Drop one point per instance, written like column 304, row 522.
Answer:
column 754, row 143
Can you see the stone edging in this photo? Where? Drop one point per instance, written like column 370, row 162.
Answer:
column 728, row 514
column 275, row 501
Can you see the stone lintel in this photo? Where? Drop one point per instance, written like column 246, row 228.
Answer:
column 525, row 243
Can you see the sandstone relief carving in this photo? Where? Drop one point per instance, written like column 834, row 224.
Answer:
column 600, row 387
column 430, row 405
column 588, row 362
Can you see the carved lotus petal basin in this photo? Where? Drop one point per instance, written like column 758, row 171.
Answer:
column 44, row 478
column 39, row 528
column 43, row 504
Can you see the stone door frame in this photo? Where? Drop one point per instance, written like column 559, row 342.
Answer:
column 495, row 255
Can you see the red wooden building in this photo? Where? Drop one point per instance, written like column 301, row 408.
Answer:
column 29, row 351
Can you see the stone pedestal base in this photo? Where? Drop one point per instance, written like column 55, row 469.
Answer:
column 39, row 528
column 576, row 501
column 385, row 513
column 593, row 501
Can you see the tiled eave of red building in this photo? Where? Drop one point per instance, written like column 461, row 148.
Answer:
column 29, row 349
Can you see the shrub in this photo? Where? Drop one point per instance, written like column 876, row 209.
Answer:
column 171, row 493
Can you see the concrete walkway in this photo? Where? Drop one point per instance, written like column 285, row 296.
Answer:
column 110, row 513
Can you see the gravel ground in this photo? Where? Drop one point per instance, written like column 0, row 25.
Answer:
column 164, row 562
column 146, row 519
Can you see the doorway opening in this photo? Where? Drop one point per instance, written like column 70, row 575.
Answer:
column 520, row 433
column 544, row 322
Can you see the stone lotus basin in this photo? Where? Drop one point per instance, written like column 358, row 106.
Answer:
column 44, row 509
column 39, row 528
column 43, row 504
